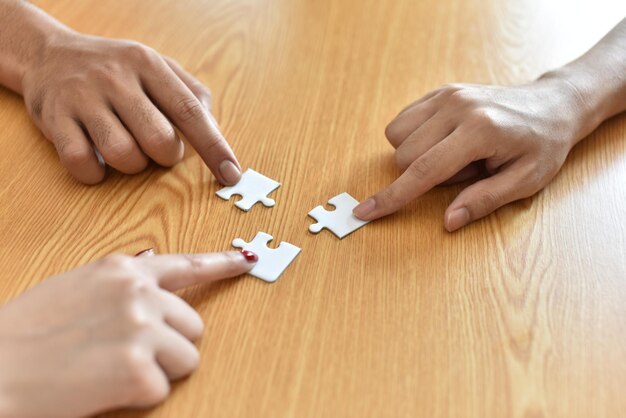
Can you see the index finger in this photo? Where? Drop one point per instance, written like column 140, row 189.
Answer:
column 435, row 166
column 184, row 109
column 177, row 271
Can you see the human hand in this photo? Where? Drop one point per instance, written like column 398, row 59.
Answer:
column 513, row 140
column 107, row 335
column 110, row 101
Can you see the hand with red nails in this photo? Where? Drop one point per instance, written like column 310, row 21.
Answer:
column 511, row 141
column 110, row 334
column 107, row 102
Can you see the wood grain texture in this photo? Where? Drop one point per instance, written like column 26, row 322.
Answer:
column 519, row 315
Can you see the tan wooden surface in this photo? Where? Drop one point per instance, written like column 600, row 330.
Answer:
column 520, row 315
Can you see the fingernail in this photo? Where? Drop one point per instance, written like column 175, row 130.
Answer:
column 250, row 256
column 229, row 171
column 364, row 208
column 458, row 218
column 147, row 252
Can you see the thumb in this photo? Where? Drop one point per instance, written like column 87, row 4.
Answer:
column 484, row 197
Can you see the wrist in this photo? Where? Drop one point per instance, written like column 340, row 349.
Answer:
column 41, row 51
column 586, row 105
column 27, row 31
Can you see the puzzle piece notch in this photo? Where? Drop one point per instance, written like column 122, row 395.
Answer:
column 253, row 187
column 341, row 221
column 272, row 261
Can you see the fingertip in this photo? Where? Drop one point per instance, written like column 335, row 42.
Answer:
column 251, row 257
column 82, row 161
column 229, row 172
column 457, row 219
column 365, row 210
column 246, row 260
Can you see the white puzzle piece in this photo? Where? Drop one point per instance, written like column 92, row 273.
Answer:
column 253, row 187
column 272, row 261
column 341, row 221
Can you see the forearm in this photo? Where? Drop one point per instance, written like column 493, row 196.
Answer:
column 24, row 33
column 598, row 78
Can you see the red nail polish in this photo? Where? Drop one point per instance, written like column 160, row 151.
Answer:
column 250, row 256
column 148, row 252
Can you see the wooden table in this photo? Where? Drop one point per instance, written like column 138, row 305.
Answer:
column 520, row 315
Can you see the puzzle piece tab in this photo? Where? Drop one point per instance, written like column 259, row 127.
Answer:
column 253, row 187
column 272, row 261
column 341, row 221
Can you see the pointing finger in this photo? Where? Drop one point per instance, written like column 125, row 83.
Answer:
column 434, row 167
column 177, row 271
column 188, row 113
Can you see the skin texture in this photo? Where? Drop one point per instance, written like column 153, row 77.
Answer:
column 107, row 102
column 110, row 334
column 509, row 141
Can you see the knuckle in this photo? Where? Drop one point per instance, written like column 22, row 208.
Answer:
column 71, row 156
column 139, row 366
column 486, row 202
column 61, row 141
column 392, row 132
column 162, row 137
column 189, row 109
column 459, row 98
column 120, row 151
column 140, row 52
column 136, row 318
column 402, row 160
column 539, row 174
column 118, row 262
column 74, row 157
column 483, row 117
column 194, row 263
column 135, row 361
column 138, row 289
column 419, row 169
column 389, row 196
